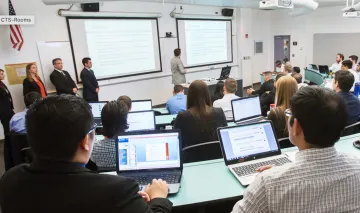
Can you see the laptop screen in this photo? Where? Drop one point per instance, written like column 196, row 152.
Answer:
column 96, row 109
column 245, row 108
column 149, row 151
column 141, row 105
column 139, row 121
column 248, row 140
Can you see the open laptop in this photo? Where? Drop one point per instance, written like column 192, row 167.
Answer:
column 225, row 73
column 96, row 108
column 248, row 147
column 246, row 110
column 141, row 105
column 141, row 121
column 150, row 155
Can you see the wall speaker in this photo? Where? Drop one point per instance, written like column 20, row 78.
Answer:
column 90, row 7
column 227, row 12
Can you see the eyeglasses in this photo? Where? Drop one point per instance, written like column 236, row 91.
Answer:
column 93, row 127
column 288, row 113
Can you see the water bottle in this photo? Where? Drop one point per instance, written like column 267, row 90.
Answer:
column 357, row 89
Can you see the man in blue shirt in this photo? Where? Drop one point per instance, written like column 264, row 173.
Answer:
column 17, row 122
column 342, row 84
column 177, row 103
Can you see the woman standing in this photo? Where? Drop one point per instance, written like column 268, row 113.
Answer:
column 32, row 82
column 6, row 104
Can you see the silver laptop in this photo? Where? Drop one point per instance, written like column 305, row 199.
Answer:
column 150, row 155
column 141, row 121
column 248, row 147
column 247, row 110
column 141, row 105
column 96, row 108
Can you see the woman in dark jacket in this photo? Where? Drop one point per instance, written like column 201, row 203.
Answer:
column 32, row 82
column 6, row 104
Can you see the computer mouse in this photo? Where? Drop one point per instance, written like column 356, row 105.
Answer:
column 357, row 144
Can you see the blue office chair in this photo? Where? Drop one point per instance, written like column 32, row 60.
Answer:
column 202, row 152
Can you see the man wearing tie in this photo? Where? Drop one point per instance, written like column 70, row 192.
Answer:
column 91, row 87
column 61, row 79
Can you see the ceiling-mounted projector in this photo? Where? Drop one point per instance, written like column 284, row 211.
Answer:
column 276, row 4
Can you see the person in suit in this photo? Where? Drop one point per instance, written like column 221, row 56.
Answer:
column 268, row 85
column 61, row 134
column 6, row 104
column 177, row 68
column 61, row 79
column 91, row 86
column 32, row 82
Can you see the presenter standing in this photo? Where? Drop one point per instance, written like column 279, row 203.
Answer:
column 91, row 86
column 177, row 68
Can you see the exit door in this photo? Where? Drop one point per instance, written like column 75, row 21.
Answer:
column 281, row 48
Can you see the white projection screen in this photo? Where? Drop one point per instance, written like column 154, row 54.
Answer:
column 118, row 47
column 204, row 41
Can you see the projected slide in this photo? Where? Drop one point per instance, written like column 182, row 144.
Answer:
column 117, row 47
column 204, row 42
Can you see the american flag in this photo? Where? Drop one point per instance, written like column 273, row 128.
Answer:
column 16, row 36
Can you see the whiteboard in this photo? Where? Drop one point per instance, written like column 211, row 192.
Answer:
column 55, row 49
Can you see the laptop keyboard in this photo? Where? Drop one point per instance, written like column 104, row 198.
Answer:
column 170, row 178
column 251, row 168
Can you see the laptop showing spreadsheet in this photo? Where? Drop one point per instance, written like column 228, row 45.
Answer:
column 246, row 109
column 96, row 108
column 150, row 155
column 141, row 105
column 247, row 147
column 141, row 121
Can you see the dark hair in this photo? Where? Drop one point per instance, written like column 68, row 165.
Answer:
column 286, row 60
column 278, row 62
column 321, row 113
column 55, row 60
column 297, row 77
column 178, row 88
column 114, row 118
column 30, row 98
column 296, row 69
column 1, row 70
column 345, row 80
column 56, row 125
column 86, row 60
column 177, row 51
column 126, row 99
column 279, row 75
column 341, row 56
column 198, row 98
column 354, row 58
column 219, row 89
column 347, row 63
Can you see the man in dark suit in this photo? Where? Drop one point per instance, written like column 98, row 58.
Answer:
column 91, row 87
column 268, row 85
column 6, row 104
column 61, row 135
column 61, row 79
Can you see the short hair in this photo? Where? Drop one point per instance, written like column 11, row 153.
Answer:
column 354, row 58
column 278, row 62
column 286, row 60
column 297, row 76
column 178, row 88
column 288, row 66
column 347, row 63
column 296, row 69
column 114, row 118
column 321, row 113
column 341, row 56
column 30, row 98
column 56, row 126
column 345, row 80
column 177, row 51
column 126, row 99
column 279, row 75
column 230, row 85
column 55, row 60
column 86, row 60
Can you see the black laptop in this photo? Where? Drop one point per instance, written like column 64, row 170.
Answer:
column 225, row 73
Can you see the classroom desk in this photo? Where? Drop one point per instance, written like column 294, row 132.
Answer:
column 163, row 111
column 164, row 119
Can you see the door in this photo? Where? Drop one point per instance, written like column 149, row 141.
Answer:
column 281, row 48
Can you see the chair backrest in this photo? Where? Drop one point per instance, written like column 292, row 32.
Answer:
column 15, row 143
column 202, row 152
column 351, row 129
column 27, row 156
column 285, row 143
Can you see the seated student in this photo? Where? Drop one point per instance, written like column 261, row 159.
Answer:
column 61, row 135
column 17, row 122
column 268, row 85
column 288, row 68
column 286, row 87
column 342, row 83
column 346, row 66
column 321, row 179
column 199, row 122
column 219, row 92
column 114, row 120
column 269, row 97
column 230, row 88
column 177, row 103
column 296, row 69
column 298, row 78
column 127, row 100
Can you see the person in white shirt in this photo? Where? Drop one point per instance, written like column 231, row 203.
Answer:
column 230, row 88
column 320, row 179
column 347, row 66
column 353, row 59
column 278, row 66
column 337, row 66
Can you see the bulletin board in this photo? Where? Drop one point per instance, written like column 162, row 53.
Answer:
column 16, row 73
